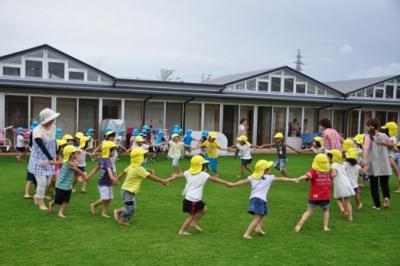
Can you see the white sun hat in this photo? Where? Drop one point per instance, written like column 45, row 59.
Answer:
column 46, row 115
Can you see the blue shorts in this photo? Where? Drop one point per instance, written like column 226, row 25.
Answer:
column 213, row 163
column 30, row 177
column 246, row 161
column 257, row 206
column 323, row 203
column 280, row 164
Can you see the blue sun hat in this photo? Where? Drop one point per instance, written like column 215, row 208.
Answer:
column 189, row 131
column 58, row 133
column 122, row 130
column 20, row 130
column 89, row 132
column 204, row 134
column 34, row 124
column 135, row 132
column 145, row 129
column 160, row 132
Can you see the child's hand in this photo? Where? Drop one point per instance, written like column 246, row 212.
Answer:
column 115, row 181
column 229, row 184
column 165, row 182
column 296, row 180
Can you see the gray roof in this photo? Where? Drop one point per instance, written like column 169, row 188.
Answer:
column 351, row 85
column 239, row 76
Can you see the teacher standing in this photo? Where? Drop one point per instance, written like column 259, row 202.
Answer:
column 43, row 153
column 376, row 157
column 332, row 139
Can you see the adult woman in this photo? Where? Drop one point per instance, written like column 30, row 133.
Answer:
column 332, row 139
column 43, row 153
column 376, row 158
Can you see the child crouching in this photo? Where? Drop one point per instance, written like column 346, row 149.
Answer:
column 64, row 179
column 260, row 181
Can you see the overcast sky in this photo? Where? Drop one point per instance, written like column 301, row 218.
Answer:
column 340, row 39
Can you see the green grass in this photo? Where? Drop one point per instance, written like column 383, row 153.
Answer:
column 28, row 235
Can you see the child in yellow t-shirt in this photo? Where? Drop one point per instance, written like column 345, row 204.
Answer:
column 212, row 146
column 135, row 173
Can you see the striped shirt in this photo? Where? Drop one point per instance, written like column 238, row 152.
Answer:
column 336, row 139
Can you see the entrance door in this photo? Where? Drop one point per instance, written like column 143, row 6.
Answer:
column 230, row 124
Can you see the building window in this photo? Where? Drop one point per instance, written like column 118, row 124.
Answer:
column 11, row 71
column 56, row 70
column 360, row 94
column 275, row 84
column 320, row 91
column 263, row 86
column 239, row 86
column 251, row 85
column 111, row 109
column 389, row 91
column 398, row 92
column 369, row 93
column 310, row 89
column 75, row 75
column 378, row 93
column 289, row 85
column 300, row 88
column 33, row 68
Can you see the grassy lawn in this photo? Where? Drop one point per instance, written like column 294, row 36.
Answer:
column 31, row 236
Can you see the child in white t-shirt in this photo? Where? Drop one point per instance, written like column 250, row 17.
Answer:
column 260, row 181
column 20, row 147
column 353, row 171
column 175, row 152
column 244, row 148
column 193, row 203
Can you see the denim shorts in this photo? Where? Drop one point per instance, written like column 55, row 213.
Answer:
column 324, row 204
column 280, row 164
column 246, row 161
column 258, row 206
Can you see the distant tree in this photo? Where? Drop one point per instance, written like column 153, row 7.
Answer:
column 166, row 74
column 205, row 77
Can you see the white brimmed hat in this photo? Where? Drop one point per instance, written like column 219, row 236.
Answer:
column 46, row 115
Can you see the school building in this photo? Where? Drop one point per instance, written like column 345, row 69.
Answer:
column 274, row 99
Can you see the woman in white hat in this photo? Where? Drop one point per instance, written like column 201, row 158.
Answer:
column 43, row 153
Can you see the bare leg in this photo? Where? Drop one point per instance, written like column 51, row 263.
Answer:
column 358, row 200
column 349, row 209
column 105, row 208
column 259, row 229
column 84, row 186
column 252, row 226
column 325, row 213
column 183, row 231
column 284, row 173
column 94, row 205
column 198, row 216
column 27, row 189
column 51, row 205
column 303, row 219
column 61, row 211
column 341, row 206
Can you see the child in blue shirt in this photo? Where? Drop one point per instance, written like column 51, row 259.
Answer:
column 187, row 142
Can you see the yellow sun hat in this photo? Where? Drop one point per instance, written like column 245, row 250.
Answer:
column 260, row 168
column 278, row 135
column 319, row 140
column 68, row 150
column 337, row 156
column 82, row 141
column 137, row 156
column 106, row 147
column 243, row 138
column 352, row 154
column 196, row 164
column 139, row 139
column 212, row 135
column 321, row 163
column 347, row 144
column 392, row 127
column 174, row 135
column 359, row 139
column 108, row 133
column 79, row 135
column 67, row 137
column 61, row 142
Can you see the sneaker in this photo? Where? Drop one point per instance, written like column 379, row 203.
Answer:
column 376, row 208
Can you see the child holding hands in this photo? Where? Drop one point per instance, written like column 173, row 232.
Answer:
column 260, row 181
column 193, row 203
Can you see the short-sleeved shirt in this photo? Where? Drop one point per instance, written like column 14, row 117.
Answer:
column 134, row 177
column 20, row 141
column 81, row 160
column 260, row 187
column 244, row 150
column 187, row 140
column 320, row 185
column 194, row 186
column 378, row 162
column 281, row 151
column 336, row 140
column 65, row 178
column 352, row 171
column 104, row 179
column 392, row 151
column 211, row 148
column 175, row 150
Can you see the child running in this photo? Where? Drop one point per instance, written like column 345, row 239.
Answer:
column 342, row 188
column 64, row 180
column 320, row 190
column 193, row 203
column 135, row 173
column 106, row 179
column 187, row 140
column 175, row 152
column 20, row 147
column 281, row 148
column 81, row 160
column 260, row 181
column 353, row 170
column 212, row 146
column 244, row 148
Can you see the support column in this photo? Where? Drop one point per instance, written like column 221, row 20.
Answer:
column 287, row 123
column 100, row 117
column 123, row 110
column 29, row 110
column 255, row 124
column 54, row 103
column 302, row 120
column 359, row 122
column 165, row 116
column 77, row 114
column 202, row 116
column 221, row 117
column 2, row 110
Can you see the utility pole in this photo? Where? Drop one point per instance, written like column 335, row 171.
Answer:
column 298, row 61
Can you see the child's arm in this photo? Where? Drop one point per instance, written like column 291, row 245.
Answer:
column 123, row 147
column 222, row 149
column 285, row 179
column 301, row 178
column 94, row 170
column 305, row 150
column 97, row 150
column 154, row 178
column 218, row 180
column 266, row 145
column 290, row 147
column 174, row 177
column 388, row 143
column 239, row 183
column 118, row 177
column 74, row 167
